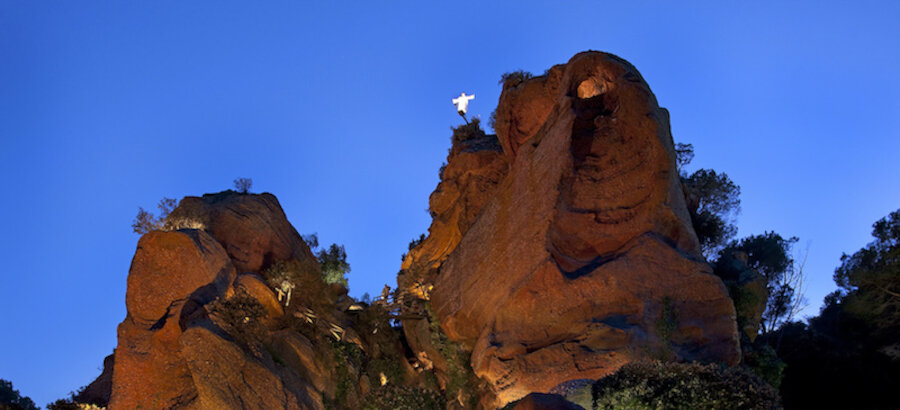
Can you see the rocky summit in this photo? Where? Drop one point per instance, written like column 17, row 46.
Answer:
column 561, row 249
column 582, row 257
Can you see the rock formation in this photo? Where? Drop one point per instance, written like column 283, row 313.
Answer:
column 560, row 249
column 205, row 330
column 582, row 256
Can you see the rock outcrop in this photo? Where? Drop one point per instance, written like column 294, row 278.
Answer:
column 581, row 257
column 206, row 330
column 254, row 232
column 173, row 274
column 560, row 250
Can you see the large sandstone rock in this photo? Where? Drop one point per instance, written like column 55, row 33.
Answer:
column 173, row 274
column 199, row 336
column 227, row 378
column 523, row 109
column 583, row 257
column 255, row 287
column 170, row 266
column 474, row 169
column 475, row 166
column 252, row 228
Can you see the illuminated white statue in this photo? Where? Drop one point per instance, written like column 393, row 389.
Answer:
column 462, row 103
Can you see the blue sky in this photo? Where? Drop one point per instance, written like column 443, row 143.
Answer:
column 343, row 111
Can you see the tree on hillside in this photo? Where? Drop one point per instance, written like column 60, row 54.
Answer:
column 243, row 185
column 11, row 398
column 772, row 256
column 334, row 264
column 849, row 355
column 145, row 221
column 514, row 78
column 684, row 154
column 333, row 260
column 870, row 278
column 713, row 202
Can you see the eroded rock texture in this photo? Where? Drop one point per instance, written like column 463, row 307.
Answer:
column 252, row 228
column 475, row 166
column 173, row 274
column 580, row 257
column 176, row 350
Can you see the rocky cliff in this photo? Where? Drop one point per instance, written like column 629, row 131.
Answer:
column 208, row 328
column 581, row 257
column 560, row 250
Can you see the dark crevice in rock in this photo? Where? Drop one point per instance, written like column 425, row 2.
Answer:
column 616, row 321
column 165, row 317
column 587, row 268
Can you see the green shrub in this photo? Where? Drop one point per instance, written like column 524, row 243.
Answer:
column 334, row 264
column 243, row 185
column 310, row 289
column 512, row 79
column 660, row 385
column 64, row 404
column 348, row 359
column 459, row 370
column 145, row 221
column 418, row 241
column 241, row 314
column 466, row 132
column 384, row 349
column 668, row 320
column 397, row 397
column 333, row 260
column 761, row 359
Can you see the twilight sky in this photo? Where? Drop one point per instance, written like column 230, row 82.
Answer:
column 343, row 112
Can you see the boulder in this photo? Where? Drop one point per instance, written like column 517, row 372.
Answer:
column 227, row 378
column 171, row 266
column 583, row 257
column 172, row 275
column 299, row 354
column 149, row 371
column 255, row 287
column 252, row 228
column 524, row 107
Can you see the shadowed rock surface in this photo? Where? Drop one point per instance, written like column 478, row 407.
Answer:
column 542, row 401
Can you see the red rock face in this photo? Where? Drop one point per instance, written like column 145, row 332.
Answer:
column 169, row 267
column 474, row 168
column 226, row 378
column 172, row 275
column 252, row 228
column 583, row 258
column 171, row 354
